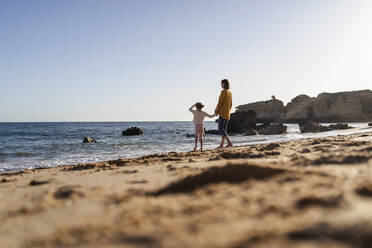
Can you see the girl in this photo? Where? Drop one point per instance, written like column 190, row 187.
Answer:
column 199, row 116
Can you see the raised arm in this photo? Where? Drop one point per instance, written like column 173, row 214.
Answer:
column 191, row 108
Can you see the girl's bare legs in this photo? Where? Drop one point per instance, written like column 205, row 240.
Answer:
column 201, row 137
column 196, row 142
column 222, row 142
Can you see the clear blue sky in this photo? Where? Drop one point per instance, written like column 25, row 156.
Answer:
column 90, row 60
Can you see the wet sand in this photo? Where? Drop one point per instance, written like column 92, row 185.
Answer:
column 306, row 193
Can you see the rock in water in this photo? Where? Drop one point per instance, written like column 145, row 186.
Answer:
column 339, row 126
column 273, row 128
column 89, row 140
column 216, row 132
column 370, row 124
column 312, row 127
column 132, row 131
column 251, row 132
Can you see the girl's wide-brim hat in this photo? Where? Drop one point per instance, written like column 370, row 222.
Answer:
column 199, row 105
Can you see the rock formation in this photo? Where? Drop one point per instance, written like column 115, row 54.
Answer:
column 312, row 127
column 213, row 131
column 132, row 131
column 245, row 122
column 298, row 109
column 89, row 140
column 339, row 126
column 251, row 132
column 267, row 111
column 242, row 122
column 274, row 128
column 351, row 106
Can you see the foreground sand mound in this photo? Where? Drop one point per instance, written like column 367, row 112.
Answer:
column 231, row 173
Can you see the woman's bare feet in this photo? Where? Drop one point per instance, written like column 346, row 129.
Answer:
column 194, row 149
column 229, row 143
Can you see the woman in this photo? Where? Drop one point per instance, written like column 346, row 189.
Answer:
column 223, row 110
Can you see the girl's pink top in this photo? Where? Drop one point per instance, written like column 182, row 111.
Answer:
column 199, row 116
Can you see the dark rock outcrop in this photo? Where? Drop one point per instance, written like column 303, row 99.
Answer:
column 246, row 122
column 89, row 140
column 215, row 132
column 132, row 131
column 251, row 132
column 312, row 127
column 349, row 106
column 242, row 122
column 212, row 132
column 339, row 126
column 272, row 128
column 370, row 124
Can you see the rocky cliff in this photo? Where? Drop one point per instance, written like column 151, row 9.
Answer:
column 300, row 108
column 351, row 106
column 267, row 111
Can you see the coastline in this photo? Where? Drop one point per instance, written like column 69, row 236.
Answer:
column 49, row 145
column 312, row 192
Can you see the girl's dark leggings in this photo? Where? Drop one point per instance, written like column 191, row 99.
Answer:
column 222, row 126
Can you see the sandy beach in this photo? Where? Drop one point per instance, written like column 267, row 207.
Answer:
column 306, row 193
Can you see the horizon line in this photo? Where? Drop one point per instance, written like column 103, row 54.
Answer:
column 89, row 121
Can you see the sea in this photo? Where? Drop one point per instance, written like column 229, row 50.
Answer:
column 35, row 145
